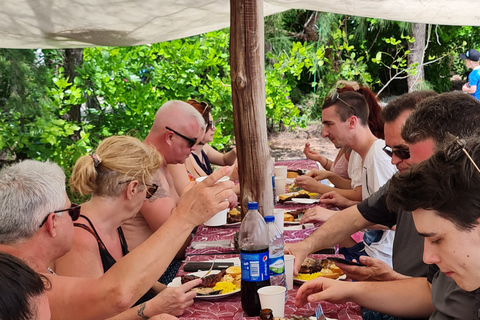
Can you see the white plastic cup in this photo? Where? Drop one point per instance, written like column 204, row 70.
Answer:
column 220, row 218
column 281, row 172
column 280, row 184
column 289, row 263
column 279, row 218
column 273, row 297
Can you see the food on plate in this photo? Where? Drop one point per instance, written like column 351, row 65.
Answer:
column 220, row 283
column 313, row 268
column 295, row 213
column 234, row 215
column 293, row 188
column 291, row 174
column 300, row 194
column 288, row 217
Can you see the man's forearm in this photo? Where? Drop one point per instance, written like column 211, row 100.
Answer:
column 340, row 226
column 409, row 298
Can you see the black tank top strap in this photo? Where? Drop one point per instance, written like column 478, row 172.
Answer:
column 123, row 241
column 206, row 167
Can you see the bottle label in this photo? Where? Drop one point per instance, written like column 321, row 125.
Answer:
column 255, row 266
column 277, row 266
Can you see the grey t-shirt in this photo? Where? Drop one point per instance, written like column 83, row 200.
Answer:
column 450, row 301
column 408, row 244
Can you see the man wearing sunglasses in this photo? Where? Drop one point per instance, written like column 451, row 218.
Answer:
column 36, row 226
column 410, row 296
column 345, row 123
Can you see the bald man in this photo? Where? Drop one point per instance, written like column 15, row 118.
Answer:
column 175, row 132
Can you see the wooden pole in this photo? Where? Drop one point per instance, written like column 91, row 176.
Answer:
column 248, row 98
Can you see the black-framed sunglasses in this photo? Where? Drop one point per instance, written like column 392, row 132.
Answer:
column 191, row 141
column 210, row 125
column 151, row 188
column 335, row 96
column 73, row 211
column 399, row 153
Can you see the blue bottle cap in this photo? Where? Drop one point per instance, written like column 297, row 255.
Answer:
column 269, row 218
column 252, row 206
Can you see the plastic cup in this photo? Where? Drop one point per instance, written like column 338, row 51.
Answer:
column 280, row 184
column 273, row 297
column 281, row 171
column 220, row 218
column 278, row 214
column 289, row 262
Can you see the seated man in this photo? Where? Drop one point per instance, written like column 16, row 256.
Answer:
column 35, row 227
column 345, row 121
column 23, row 291
column 424, row 131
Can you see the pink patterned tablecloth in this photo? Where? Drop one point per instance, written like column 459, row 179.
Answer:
column 230, row 307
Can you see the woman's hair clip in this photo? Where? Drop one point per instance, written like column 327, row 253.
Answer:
column 96, row 159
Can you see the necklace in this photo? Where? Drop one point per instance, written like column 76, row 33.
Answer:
column 51, row 271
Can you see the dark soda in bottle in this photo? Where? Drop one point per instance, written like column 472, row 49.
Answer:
column 253, row 242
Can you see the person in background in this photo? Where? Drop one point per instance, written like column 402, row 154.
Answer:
column 23, row 291
column 341, row 173
column 36, row 226
column 471, row 62
column 199, row 162
column 118, row 176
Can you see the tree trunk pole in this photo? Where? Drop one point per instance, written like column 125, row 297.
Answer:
column 247, row 61
column 416, row 55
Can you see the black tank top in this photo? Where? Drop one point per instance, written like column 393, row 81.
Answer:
column 107, row 260
column 206, row 167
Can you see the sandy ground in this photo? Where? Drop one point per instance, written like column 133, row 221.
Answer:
column 289, row 145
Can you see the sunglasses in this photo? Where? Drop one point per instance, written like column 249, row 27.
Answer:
column 210, row 125
column 151, row 188
column 73, row 211
column 334, row 97
column 399, row 153
column 191, row 141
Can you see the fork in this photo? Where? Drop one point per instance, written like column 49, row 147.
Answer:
column 319, row 312
column 211, row 267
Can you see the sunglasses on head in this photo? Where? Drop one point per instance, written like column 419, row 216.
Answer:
column 399, row 153
column 335, row 96
column 151, row 188
column 73, row 211
column 191, row 141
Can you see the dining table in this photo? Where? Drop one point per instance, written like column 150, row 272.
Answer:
column 217, row 244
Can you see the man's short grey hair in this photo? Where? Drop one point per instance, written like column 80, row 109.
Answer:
column 29, row 190
column 182, row 109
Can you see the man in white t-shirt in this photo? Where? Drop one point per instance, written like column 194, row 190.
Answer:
column 345, row 122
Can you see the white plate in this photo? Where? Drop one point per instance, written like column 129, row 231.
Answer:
column 177, row 282
column 342, row 277
column 232, row 224
column 290, row 223
column 304, row 200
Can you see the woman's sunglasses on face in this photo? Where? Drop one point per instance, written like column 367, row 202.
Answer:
column 151, row 188
column 73, row 211
column 399, row 153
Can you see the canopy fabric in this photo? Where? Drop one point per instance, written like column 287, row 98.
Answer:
column 70, row 24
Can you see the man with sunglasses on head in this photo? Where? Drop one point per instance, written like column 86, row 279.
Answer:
column 345, row 123
column 409, row 295
column 32, row 190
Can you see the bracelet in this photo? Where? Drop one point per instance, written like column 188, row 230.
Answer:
column 140, row 311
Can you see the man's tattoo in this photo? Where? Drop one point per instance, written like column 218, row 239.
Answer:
column 140, row 311
column 160, row 193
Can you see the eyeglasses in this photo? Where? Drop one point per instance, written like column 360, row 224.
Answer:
column 399, row 153
column 191, row 141
column 334, row 97
column 73, row 211
column 455, row 149
column 152, row 188
column 210, row 125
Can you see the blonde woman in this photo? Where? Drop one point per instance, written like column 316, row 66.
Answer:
column 118, row 176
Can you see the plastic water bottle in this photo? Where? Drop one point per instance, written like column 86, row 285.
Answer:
column 254, row 250
column 277, row 261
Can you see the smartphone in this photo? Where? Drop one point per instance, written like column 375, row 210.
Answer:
column 340, row 260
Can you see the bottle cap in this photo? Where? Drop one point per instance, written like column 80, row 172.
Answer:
column 269, row 218
column 252, row 206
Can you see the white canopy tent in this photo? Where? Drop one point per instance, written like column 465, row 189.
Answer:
column 69, row 23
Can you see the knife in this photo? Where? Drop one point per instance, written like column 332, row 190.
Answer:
column 196, row 265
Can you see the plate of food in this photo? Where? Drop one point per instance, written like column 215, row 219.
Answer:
column 293, row 196
column 218, row 284
column 313, row 268
column 293, row 217
column 234, row 217
column 304, row 200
